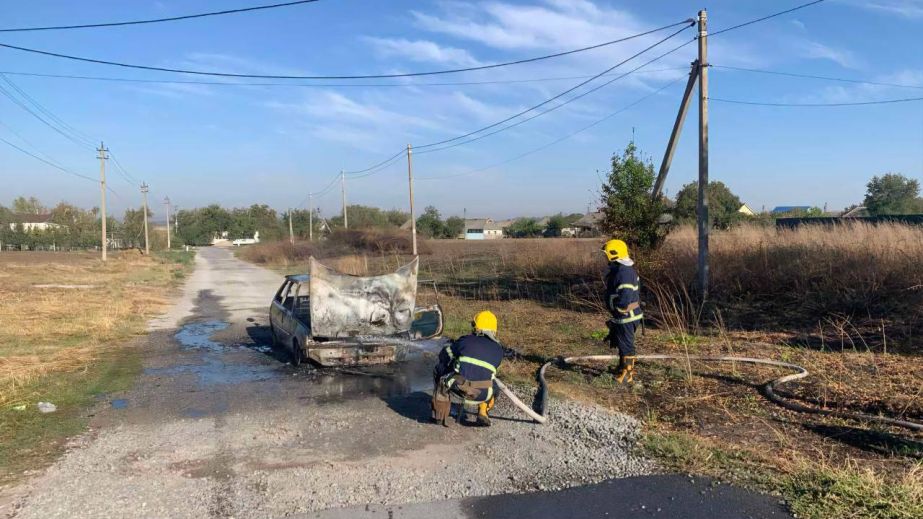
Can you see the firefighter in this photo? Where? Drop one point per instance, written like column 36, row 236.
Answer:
column 623, row 299
column 467, row 368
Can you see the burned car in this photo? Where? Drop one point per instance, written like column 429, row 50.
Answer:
column 337, row 319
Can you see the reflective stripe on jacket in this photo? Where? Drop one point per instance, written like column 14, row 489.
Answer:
column 623, row 293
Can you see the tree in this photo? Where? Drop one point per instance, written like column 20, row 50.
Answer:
column 628, row 209
column 454, row 226
column 31, row 205
column 524, row 228
column 722, row 204
column 892, row 193
column 430, row 224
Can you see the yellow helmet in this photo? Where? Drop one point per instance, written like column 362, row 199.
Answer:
column 615, row 250
column 485, row 321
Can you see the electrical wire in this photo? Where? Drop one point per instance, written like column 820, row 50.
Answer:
column 555, row 107
column 857, row 103
column 75, row 133
column 558, row 140
column 562, row 94
column 810, row 76
column 315, row 85
column 159, row 20
column 764, row 18
column 128, row 176
column 375, row 166
column 50, row 163
column 357, row 76
column 9, row 95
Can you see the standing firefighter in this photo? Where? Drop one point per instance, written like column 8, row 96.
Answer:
column 467, row 368
column 623, row 299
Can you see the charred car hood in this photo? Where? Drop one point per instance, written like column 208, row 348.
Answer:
column 344, row 305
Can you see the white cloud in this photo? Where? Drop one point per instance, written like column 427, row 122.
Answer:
column 817, row 50
column 912, row 9
column 422, row 51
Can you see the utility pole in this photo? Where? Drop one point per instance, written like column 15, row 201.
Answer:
column 166, row 201
column 102, row 189
column 147, row 247
column 310, row 217
column 413, row 221
column 702, row 206
column 343, row 190
column 291, row 234
column 677, row 130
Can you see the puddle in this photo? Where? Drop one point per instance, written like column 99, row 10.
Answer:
column 198, row 335
column 214, row 371
column 119, row 403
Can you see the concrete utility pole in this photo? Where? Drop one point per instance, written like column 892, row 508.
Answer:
column 291, row 233
column 343, row 189
column 413, row 221
column 702, row 207
column 310, row 217
column 677, row 130
column 102, row 189
column 147, row 247
column 166, row 201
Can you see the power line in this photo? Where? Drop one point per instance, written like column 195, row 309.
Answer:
column 562, row 94
column 767, row 17
column 50, row 163
column 858, row 103
column 124, row 172
column 77, row 134
column 6, row 93
column 389, row 159
column 159, row 20
column 358, row 76
column 810, row 76
column 315, row 85
column 560, row 139
column 555, row 107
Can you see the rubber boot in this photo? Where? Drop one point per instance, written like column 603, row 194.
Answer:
column 626, row 369
column 483, row 408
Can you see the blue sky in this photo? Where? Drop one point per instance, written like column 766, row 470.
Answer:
column 236, row 145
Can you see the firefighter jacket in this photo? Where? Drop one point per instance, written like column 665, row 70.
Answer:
column 473, row 360
column 623, row 293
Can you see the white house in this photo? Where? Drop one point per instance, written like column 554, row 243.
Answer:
column 34, row 222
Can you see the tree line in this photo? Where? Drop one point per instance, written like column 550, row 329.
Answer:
column 629, row 209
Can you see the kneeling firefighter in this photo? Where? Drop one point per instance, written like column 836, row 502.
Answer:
column 467, row 368
column 623, row 299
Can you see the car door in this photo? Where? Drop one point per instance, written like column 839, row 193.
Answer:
column 279, row 313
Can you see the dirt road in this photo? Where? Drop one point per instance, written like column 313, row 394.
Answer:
column 221, row 426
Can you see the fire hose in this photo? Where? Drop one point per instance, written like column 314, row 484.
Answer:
column 769, row 389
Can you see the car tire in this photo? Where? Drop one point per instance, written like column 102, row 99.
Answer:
column 297, row 354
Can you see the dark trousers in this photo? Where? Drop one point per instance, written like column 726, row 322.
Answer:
column 622, row 337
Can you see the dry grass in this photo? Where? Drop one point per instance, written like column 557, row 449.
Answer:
column 51, row 330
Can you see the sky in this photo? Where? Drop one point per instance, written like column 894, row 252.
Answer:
column 240, row 144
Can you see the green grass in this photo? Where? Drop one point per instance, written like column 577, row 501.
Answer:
column 30, row 439
column 812, row 490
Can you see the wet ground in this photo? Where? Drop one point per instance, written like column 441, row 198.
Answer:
column 221, row 425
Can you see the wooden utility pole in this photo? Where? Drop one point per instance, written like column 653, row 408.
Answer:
column 677, row 130
column 166, row 201
column 343, row 190
column 291, row 233
column 702, row 206
column 413, row 221
column 102, row 190
column 310, row 217
column 147, row 247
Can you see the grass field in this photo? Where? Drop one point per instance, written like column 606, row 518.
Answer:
column 860, row 284
column 65, row 319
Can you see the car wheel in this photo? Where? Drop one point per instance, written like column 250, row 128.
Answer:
column 297, row 354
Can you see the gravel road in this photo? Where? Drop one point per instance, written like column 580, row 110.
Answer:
column 220, row 426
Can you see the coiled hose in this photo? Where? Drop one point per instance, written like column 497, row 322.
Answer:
column 769, row 389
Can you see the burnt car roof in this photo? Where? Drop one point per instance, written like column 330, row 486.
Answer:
column 298, row 278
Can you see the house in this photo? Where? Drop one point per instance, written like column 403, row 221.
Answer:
column 745, row 210
column 587, row 225
column 34, row 222
column 856, row 212
column 782, row 209
column 247, row 241
column 475, row 228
